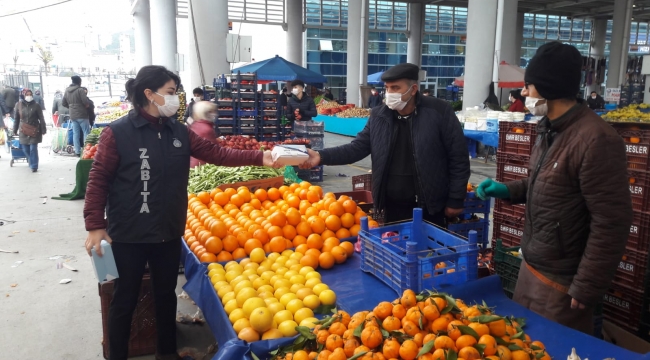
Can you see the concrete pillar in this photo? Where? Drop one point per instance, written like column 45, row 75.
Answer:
column 479, row 58
column 163, row 36
column 505, row 47
column 597, row 49
column 416, row 26
column 294, row 31
column 622, row 78
column 617, row 44
column 142, row 35
column 354, row 52
column 208, row 31
column 519, row 37
column 363, row 57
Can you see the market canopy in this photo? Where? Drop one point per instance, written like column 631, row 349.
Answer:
column 510, row 76
column 279, row 69
column 375, row 79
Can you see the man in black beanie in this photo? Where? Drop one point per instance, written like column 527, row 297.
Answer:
column 577, row 196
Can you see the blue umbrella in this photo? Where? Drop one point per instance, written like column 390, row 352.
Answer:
column 279, row 69
column 375, row 79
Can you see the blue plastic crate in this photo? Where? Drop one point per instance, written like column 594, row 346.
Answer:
column 312, row 175
column 482, row 228
column 248, row 112
column 226, row 112
column 474, row 205
column 408, row 260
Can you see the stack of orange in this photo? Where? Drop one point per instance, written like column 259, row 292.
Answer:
column 425, row 329
column 226, row 225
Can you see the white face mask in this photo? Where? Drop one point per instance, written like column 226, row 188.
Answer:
column 593, row 96
column 211, row 117
column 394, row 100
column 295, row 91
column 170, row 107
column 197, row 98
column 536, row 110
column 29, row 98
column 511, row 99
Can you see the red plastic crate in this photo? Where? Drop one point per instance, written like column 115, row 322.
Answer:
column 624, row 307
column 143, row 326
column 640, row 190
column 637, row 145
column 362, row 182
column 512, row 167
column 517, row 138
column 507, row 228
column 639, row 238
column 632, row 270
column 517, row 211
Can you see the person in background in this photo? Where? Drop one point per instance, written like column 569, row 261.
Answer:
column 10, row 98
column 29, row 114
column 375, row 98
column 39, row 99
column 516, row 101
column 426, row 92
column 139, row 180
column 205, row 114
column 58, row 109
column 418, row 149
column 577, row 196
column 300, row 106
column 91, row 110
column 343, row 96
column 76, row 100
column 595, row 101
column 328, row 94
column 197, row 96
column 4, row 110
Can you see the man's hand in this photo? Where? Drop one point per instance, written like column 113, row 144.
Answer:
column 489, row 188
column 452, row 213
column 575, row 304
column 314, row 160
column 95, row 238
column 268, row 160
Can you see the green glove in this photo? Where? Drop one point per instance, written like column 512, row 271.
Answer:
column 489, row 188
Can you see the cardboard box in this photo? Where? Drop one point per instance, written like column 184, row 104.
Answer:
column 290, row 155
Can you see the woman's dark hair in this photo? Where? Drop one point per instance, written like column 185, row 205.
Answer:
column 28, row 90
column 516, row 94
column 197, row 91
column 151, row 77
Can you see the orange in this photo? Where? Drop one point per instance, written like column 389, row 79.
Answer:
column 309, row 260
column 328, row 234
column 340, row 255
column 343, row 233
column 399, row 312
column 408, row 350
column 293, row 201
column 329, row 243
column 261, row 195
column 371, row 337
column 252, row 244
column 314, row 241
column 293, row 217
column 350, row 206
column 469, row 353
column 383, row 310
column 313, row 252
column 299, row 240
column 409, row 327
column 224, row 256
column 337, row 328
column 503, row 352
column 261, row 235
column 300, row 355
column 337, row 354
column 208, row 257
column 237, row 200
column 408, row 299
column 302, row 248
column 519, row 355
column 273, row 194
column 497, row 328
column 347, row 220
column 213, row 245
column 539, row 344
column 313, row 196
column 312, row 211
column 490, row 345
column 317, row 225
column 439, row 354
column 289, row 232
column 278, row 219
column 230, row 243
column 333, row 222
column 333, row 342
column 348, row 246
column 326, row 260
column 430, row 312
column 391, row 348
column 452, row 329
column 274, row 231
column 465, row 341
column 350, row 345
column 324, row 355
column 391, row 323
column 480, row 329
column 239, row 254
column 428, row 337
column 204, row 197
column 444, row 342
column 439, row 324
column 243, row 236
column 278, row 244
column 336, row 208
column 321, row 336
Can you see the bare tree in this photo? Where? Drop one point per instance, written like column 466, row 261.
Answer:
column 15, row 58
column 46, row 57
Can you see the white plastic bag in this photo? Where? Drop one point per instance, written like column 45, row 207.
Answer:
column 3, row 137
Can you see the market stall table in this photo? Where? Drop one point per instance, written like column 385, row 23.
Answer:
column 342, row 126
column 357, row 291
column 82, row 173
column 487, row 138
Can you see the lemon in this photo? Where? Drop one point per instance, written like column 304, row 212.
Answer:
column 288, row 328
column 215, row 266
column 245, row 261
column 240, row 324
column 236, row 315
column 257, row 255
column 224, row 290
column 281, row 260
column 280, row 292
column 253, row 277
column 298, row 279
column 251, row 304
column 284, row 300
column 230, row 306
column 303, row 293
column 282, row 283
column 294, row 305
column 296, row 256
column 311, row 283
column 296, row 287
column 266, row 264
column 281, row 270
column 213, row 272
column 229, row 296
column 277, row 266
column 274, row 278
column 251, row 265
column 266, row 288
column 302, row 314
column 287, row 275
column 244, row 284
column 296, row 267
column 248, row 334
column 272, row 334
column 309, row 322
column 265, row 295
column 244, row 295
column 261, row 319
column 306, row 270
column 234, row 267
column 270, row 301
column 273, row 256
column 219, row 284
column 217, row 277
column 327, row 297
column 311, row 301
column 259, row 282
column 239, row 278
column 231, row 275
column 275, row 307
column 287, row 253
column 291, row 263
column 268, row 274
column 249, row 272
column 282, row 316
column 319, row 288
column 260, row 270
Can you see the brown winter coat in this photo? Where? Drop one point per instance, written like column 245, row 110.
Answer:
column 32, row 114
column 578, row 204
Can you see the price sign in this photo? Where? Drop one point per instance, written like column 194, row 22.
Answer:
column 613, row 94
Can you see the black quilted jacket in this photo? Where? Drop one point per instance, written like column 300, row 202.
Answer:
column 306, row 106
column 441, row 156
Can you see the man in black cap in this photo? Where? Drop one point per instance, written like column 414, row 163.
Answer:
column 419, row 153
column 577, row 196
column 300, row 106
column 76, row 101
column 375, row 98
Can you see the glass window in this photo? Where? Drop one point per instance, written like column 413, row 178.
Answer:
column 446, row 19
column 634, row 26
column 576, row 31
column 312, row 12
column 314, row 67
column 540, row 26
column 340, row 45
column 339, row 34
column 384, row 15
column 400, row 16
column 642, row 38
column 553, row 27
column 313, row 57
column 587, row 31
column 565, row 29
column 529, row 25
column 339, row 58
column 312, row 33
column 608, row 33
column 460, row 20
column 313, row 44
column 339, row 70
column 331, row 12
column 344, row 12
column 325, row 33
column 431, row 18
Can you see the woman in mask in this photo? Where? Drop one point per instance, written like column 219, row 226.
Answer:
column 595, row 101
column 204, row 115
column 29, row 124
column 139, row 179
column 300, row 106
column 516, row 101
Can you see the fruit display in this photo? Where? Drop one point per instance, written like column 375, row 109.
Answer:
column 354, row 113
column 90, row 147
column 631, row 113
column 228, row 225
column 108, row 115
column 207, row 177
column 332, row 108
column 89, row 152
column 267, row 297
column 115, row 103
column 426, row 326
column 183, row 105
column 243, row 142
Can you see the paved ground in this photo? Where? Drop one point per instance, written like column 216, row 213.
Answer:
column 42, row 319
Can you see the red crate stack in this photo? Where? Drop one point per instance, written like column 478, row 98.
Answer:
column 627, row 303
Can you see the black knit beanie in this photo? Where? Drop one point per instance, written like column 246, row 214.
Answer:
column 555, row 70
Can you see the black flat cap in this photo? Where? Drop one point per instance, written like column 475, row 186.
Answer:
column 401, row 71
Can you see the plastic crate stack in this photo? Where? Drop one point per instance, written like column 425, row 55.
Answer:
column 627, row 303
column 269, row 118
column 244, row 91
column 315, row 133
column 516, row 141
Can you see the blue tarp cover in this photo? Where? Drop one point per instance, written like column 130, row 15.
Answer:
column 375, row 79
column 279, row 69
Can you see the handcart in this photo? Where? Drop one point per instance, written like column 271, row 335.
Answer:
column 62, row 140
column 17, row 153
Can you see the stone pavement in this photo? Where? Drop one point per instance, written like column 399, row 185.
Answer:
column 42, row 319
